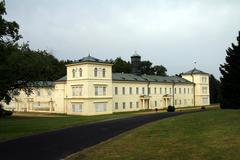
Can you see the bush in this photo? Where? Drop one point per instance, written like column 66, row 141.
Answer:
column 203, row 107
column 171, row 109
column 5, row 113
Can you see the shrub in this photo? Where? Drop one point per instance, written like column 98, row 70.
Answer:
column 4, row 113
column 203, row 107
column 171, row 109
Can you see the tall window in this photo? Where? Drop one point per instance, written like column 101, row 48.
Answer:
column 100, row 90
column 204, row 79
column 149, row 90
column 165, row 90
column 155, row 103
column 76, row 107
column 143, row 90
column 137, row 92
column 123, row 90
column 204, row 90
column 95, row 72
column 155, row 90
column 104, row 72
column 137, row 104
column 116, row 105
column 124, row 105
column 49, row 92
column 80, row 72
column 180, row 91
column 130, row 104
column 38, row 92
column 160, row 90
column 77, row 90
column 170, row 90
column 188, row 90
column 184, row 90
column 116, row 90
column 100, row 107
column 130, row 90
column 175, row 90
column 73, row 73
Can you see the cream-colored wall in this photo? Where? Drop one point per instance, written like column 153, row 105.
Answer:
column 199, row 84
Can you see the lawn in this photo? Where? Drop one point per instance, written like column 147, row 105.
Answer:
column 18, row 126
column 210, row 135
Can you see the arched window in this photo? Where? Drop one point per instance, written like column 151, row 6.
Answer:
column 73, row 73
column 104, row 72
column 95, row 72
column 80, row 72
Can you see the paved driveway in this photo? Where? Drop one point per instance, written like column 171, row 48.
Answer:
column 61, row 143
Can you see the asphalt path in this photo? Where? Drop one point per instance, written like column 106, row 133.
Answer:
column 58, row 144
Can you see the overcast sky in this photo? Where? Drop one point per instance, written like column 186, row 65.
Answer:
column 173, row 33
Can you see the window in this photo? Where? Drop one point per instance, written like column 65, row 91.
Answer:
column 185, row 101
column 130, row 104
column 38, row 92
column 149, row 90
column 143, row 90
column 124, row 105
column 180, row 91
column 180, row 102
column 130, row 90
column 205, row 100
column 204, row 79
column 77, row 90
column 165, row 90
column 76, row 107
column 170, row 90
column 116, row 105
column 204, row 90
column 137, row 90
column 155, row 103
column 95, row 72
column 160, row 91
column 100, row 107
column 137, row 104
column 100, row 90
column 73, row 73
column 184, row 90
column 155, row 90
column 175, row 90
column 175, row 102
column 104, row 72
column 80, row 72
column 188, row 90
column 39, row 104
column 123, row 90
column 116, row 90
column 49, row 93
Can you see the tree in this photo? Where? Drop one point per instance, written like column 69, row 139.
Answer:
column 21, row 67
column 159, row 70
column 119, row 65
column 214, row 86
column 146, row 68
column 230, row 85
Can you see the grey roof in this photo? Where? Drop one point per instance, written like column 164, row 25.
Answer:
column 136, row 55
column 91, row 59
column 143, row 78
column 43, row 84
column 194, row 71
column 64, row 78
column 148, row 78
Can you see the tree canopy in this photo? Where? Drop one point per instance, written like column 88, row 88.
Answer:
column 230, row 70
column 214, row 86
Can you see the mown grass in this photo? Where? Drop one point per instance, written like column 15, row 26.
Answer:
column 210, row 135
column 18, row 126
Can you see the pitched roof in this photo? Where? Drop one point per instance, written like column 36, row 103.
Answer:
column 64, row 78
column 148, row 78
column 91, row 59
column 194, row 71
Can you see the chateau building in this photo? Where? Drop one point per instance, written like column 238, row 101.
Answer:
column 90, row 88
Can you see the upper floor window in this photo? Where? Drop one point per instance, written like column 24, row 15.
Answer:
column 143, row 90
column 80, row 72
column 116, row 90
column 123, row 90
column 155, row 90
column 130, row 90
column 165, row 90
column 100, row 90
column 137, row 90
column 49, row 92
column 104, row 72
column 180, row 91
column 204, row 79
column 160, row 90
column 73, row 73
column 95, row 72
column 149, row 90
column 77, row 90
column 188, row 90
column 184, row 90
column 175, row 90
column 170, row 90
column 38, row 92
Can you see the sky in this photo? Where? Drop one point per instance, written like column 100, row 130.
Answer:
column 172, row 33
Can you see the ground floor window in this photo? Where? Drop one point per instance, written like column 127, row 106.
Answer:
column 76, row 107
column 116, row 105
column 124, row 105
column 100, row 107
column 205, row 100
column 137, row 104
column 130, row 104
column 155, row 103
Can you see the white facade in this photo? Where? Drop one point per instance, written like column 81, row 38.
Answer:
column 90, row 88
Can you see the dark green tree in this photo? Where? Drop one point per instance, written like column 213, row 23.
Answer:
column 230, row 70
column 214, row 86
column 159, row 70
column 119, row 65
column 146, row 68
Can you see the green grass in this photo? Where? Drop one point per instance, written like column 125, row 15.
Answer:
column 211, row 135
column 18, row 126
